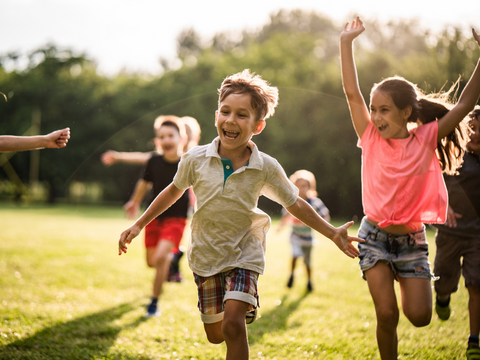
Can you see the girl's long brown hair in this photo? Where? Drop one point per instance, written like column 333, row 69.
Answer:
column 428, row 108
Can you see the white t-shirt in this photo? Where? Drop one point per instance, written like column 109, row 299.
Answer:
column 228, row 229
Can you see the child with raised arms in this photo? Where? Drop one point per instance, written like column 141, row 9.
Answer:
column 402, row 185
column 227, row 248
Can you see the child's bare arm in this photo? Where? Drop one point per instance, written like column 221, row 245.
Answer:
column 133, row 205
column 111, row 157
column 162, row 202
column 306, row 214
column 356, row 102
column 465, row 104
column 54, row 140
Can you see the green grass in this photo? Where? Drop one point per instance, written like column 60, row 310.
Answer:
column 66, row 294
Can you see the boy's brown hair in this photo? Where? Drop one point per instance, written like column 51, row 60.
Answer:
column 307, row 176
column 264, row 97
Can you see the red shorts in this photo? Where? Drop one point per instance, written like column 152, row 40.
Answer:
column 170, row 229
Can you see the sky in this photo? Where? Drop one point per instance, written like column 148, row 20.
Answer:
column 132, row 35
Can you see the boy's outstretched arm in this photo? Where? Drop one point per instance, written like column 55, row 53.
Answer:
column 54, row 140
column 162, row 202
column 111, row 157
column 356, row 102
column 306, row 214
column 466, row 102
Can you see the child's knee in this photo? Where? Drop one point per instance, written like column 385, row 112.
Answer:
column 233, row 329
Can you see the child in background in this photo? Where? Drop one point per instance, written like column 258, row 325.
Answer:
column 301, row 236
column 111, row 157
column 55, row 140
column 402, row 185
column 164, row 233
column 227, row 248
column 192, row 129
column 459, row 238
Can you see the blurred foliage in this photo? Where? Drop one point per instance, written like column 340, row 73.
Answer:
column 297, row 51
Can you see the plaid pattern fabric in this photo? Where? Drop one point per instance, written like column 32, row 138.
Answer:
column 212, row 289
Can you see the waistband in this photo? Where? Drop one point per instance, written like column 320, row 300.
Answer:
column 377, row 233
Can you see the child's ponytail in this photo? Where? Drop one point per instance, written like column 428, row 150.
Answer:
column 450, row 149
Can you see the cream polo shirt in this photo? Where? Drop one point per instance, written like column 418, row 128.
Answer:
column 228, row 229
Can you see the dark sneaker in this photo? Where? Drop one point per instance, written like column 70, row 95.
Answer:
column 290, row 281
column 153, row 310
column 443, row 312
column 251, row 316
column 473, row 353
column 175, row 277
column 309, row 286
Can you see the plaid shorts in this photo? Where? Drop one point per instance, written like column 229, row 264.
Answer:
column 213, row 291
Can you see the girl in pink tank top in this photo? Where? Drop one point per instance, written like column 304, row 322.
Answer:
column 408, row 139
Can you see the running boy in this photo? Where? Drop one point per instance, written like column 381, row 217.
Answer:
column 460, row 238
column 164, row 233
column 301, row 237
column 227, row 248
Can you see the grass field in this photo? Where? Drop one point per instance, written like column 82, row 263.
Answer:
column 66, row 294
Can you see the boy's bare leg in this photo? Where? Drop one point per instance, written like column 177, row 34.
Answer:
column 161, row 262
column 474, row 309
column 380, row 281
column 214, row 332
column 234, row 329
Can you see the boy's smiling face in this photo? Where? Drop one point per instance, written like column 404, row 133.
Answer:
column 474, row 143
column 168, row 138
column 236, row 122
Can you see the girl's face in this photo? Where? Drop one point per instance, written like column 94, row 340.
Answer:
column 303, row 187
column 390, row 121
column 474, row 143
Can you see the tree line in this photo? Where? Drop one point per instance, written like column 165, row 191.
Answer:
column 297, row 51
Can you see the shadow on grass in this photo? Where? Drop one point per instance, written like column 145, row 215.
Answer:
column 87, row 337
column 276, row 319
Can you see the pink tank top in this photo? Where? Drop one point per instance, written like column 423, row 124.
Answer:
column 402, row 181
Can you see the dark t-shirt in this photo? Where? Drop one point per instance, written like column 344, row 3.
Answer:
column 161, row 172
column 464, row 197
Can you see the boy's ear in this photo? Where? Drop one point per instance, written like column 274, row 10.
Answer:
column 216, row 117
column 260, row 126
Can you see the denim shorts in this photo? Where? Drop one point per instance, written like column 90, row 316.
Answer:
column 406, row 254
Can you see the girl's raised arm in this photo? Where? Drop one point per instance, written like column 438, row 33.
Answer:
column 356, row 102
column 466, row 102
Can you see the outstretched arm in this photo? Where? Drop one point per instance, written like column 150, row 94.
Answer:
column 306, row 214
column 465, row 104
column 356, row 102
column 55, row 140
column 162, row 202
column 111, row 157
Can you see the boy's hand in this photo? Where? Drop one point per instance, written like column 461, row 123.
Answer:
column 351, row 32
column 126, row 238
column 132, row 209
column 58, row 138
column 452, row 217
column 344, row 241
column 108, row 157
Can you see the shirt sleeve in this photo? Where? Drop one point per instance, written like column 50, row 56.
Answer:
column 320, row 207
column 279, row 188
column 428, row 133
column 366, row 135
column 184, row 177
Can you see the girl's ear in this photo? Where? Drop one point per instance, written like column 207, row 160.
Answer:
column 260, row 126
column 407, row 112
